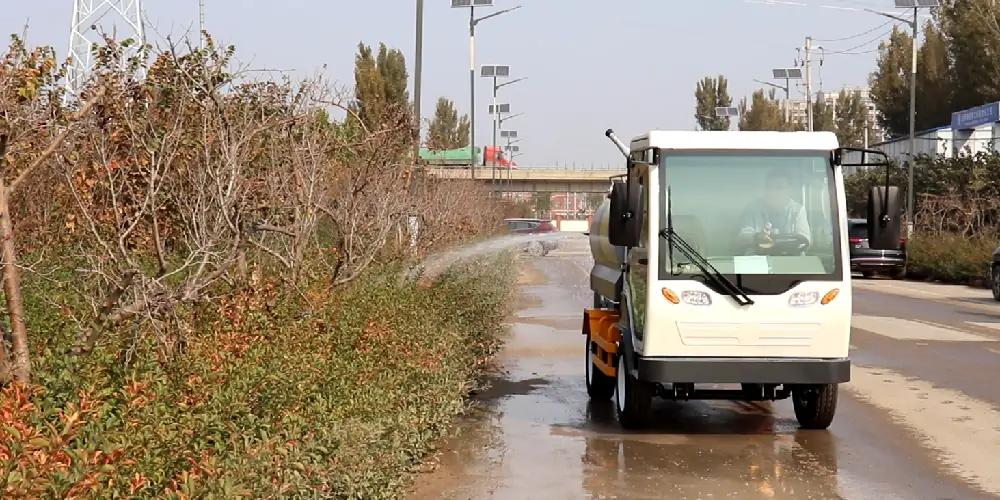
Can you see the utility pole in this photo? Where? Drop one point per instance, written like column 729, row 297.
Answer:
column 201, row 24
column 913, row 128
column 417, row 74
column 809, row 107
column 86, row 13
column 910, row 195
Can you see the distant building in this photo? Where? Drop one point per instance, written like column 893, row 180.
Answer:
column 970, row 132
column 797, row 109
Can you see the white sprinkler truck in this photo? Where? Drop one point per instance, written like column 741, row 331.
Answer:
column 721, row 258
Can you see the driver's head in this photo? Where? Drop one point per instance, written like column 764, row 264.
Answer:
column 778, row 189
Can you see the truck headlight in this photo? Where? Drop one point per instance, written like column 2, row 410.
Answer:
column 696, row 298
column 799, row 299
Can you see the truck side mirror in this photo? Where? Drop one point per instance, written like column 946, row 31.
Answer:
column 884, row 216
column 625, row 214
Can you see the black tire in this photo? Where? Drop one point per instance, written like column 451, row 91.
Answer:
column 995, row 282
column 633, row 397
column 600, row 387
column 898, row 273
column 815, row 405
column 868, row 274
column 535, row 249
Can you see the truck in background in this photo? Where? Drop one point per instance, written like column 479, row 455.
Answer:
column 464, row 157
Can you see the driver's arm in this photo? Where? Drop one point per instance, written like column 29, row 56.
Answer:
column 748, row 227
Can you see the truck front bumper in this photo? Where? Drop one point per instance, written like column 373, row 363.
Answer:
column 744, row 370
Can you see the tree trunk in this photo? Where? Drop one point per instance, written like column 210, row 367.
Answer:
column 12, row 291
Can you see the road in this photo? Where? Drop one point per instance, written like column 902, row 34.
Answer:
column 917, row 421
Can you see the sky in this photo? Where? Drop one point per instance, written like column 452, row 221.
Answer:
column 590, row 65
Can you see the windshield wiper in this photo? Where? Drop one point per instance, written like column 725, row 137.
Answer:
column 707, row 269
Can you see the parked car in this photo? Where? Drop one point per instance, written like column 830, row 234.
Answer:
column 529, row 226
column 995, row 274
column 534, row 226
column 868, row 261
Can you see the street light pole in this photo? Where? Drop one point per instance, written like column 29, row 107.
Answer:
column 417, row 73
column 916, row 5
column 473, row 21
column 495, row 72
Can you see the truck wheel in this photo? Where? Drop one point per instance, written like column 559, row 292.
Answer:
column 815, row 405
column 600, row 387
column 633, row 397
column 868, row 274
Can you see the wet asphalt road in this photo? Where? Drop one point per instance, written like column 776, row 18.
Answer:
column 917, row 421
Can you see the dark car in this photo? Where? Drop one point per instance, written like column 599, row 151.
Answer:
column 868, row 261
column 995, row 274
column 529, row 226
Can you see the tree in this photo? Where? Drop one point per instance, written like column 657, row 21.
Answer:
column 380, row 82
column 763, row 112
column 851, row 121
column 823, row 117
column 447, row 131
column 889, row 84
column 594, row 200
column 542, row 201
column 970, row 27
column 709, row 94
column 935, row 84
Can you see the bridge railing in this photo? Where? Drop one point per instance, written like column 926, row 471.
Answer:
column 571, row 167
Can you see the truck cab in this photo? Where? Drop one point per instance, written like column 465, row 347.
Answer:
column 494, row 155
column 721, row 258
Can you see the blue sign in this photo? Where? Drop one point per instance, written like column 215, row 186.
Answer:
column 974, row 117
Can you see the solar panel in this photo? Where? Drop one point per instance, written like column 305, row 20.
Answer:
column 780, row 73
column 503, row 71
column 906, row 3
column 928, row 3
column 461, row 3
column 794, row 73
column 483, row 3
column 489, row 71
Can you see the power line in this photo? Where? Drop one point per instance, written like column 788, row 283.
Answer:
column 852, row 50
column 856, row 36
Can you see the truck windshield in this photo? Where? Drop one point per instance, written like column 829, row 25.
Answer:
column 767, row 220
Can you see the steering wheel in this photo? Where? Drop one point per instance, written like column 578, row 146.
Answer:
column 784, row 244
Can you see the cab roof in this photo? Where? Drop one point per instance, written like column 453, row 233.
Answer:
column 735, row 140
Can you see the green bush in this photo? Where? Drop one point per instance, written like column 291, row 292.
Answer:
column 273, row 392
column 950, row 258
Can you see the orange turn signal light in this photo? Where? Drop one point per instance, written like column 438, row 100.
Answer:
column 671, row 296
column 832, row 294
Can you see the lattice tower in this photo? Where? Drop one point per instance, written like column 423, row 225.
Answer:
column 122, row 18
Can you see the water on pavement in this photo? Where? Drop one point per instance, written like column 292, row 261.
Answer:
column 917, row 421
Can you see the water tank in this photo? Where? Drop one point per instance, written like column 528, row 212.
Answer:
column 608, row 259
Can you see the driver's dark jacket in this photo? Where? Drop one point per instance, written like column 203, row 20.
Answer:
column 789, row 220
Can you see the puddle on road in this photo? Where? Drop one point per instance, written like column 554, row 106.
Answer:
column 534, row 433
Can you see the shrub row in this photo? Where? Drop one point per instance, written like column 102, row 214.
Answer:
column 279, row 393
column 951, row 258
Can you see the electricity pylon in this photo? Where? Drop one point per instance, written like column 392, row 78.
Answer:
column 125, row 18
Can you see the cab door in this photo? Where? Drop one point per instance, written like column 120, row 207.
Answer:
column 638, row 266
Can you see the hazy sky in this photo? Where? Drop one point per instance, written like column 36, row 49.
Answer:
column 591, row 64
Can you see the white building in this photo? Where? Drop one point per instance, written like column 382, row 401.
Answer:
column 971, row 131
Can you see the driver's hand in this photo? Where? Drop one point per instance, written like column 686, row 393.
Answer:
column 764, row 236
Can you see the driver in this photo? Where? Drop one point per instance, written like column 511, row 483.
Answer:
column 775, row 214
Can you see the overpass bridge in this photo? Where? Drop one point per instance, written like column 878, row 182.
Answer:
column 535, row 179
